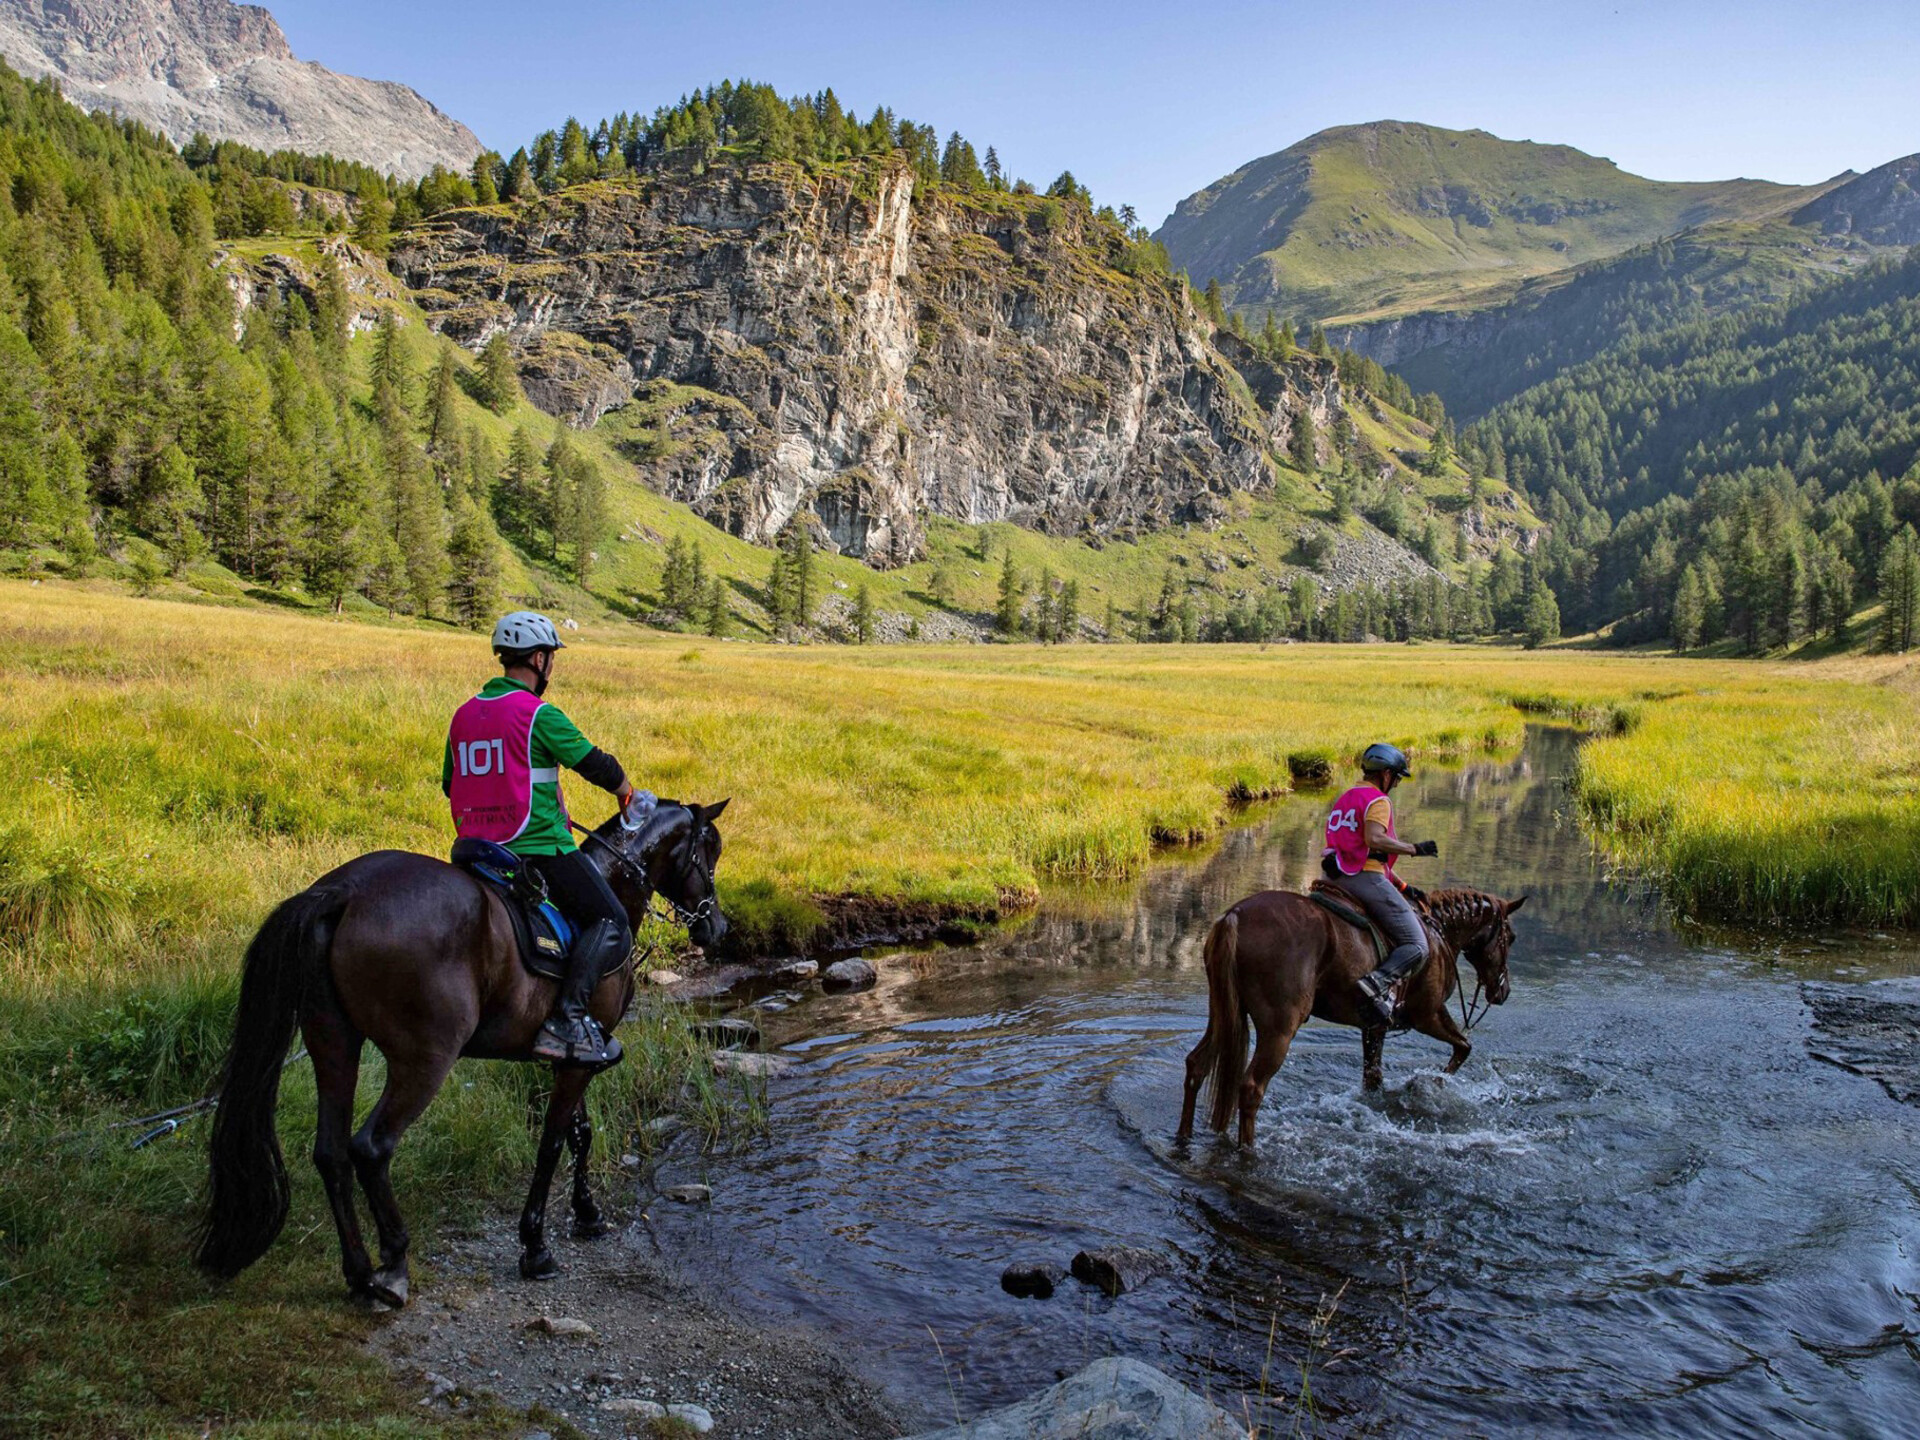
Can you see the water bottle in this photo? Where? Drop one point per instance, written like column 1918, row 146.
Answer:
column 640, row 808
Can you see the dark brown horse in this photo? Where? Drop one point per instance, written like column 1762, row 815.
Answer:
column 420, row 958
column 1277, row 958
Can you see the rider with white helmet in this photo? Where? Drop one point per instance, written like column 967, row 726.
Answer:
column 505, row 750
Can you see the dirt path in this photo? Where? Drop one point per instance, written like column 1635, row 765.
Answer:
column 467, row 1342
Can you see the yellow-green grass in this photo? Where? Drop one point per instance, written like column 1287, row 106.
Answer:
column 176, row 768
column 1794, row 800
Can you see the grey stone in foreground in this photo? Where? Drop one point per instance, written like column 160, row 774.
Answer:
column 849, row 975
column 1109, row 1400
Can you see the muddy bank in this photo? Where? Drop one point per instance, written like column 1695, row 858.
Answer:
column 618, row 1334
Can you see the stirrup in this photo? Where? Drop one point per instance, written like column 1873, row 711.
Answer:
column 1380, row 993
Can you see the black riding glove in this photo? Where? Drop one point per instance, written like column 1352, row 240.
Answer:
column 1415, row 895
column 1428, row 848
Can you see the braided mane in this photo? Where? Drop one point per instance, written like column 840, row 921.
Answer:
column 1459, row 913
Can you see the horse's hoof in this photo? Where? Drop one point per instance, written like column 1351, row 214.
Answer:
column 389, row 1289
column 593, row 1229
column 538, row 1265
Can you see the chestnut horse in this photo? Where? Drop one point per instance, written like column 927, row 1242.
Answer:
column 1278, row 957
column 419, row 957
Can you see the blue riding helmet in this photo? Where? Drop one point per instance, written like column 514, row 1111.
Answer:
column 1383, row 756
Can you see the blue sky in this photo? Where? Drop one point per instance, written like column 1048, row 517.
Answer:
column 1147, row 102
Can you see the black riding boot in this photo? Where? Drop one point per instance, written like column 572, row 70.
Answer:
column 572, row 1036
column 1378, row 986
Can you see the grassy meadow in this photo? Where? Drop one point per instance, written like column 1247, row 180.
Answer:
column 177, row 767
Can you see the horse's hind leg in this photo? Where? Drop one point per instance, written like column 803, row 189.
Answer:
column 1199, row 1064
column 569, row 1085
column 587, row 1220
column 1269, row 1054
column 412, row 1082
column 334, row 1046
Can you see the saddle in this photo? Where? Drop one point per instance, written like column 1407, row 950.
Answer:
column 1334, row 901
column 542, row 934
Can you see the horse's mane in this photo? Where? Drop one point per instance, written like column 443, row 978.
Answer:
column 1460, row 909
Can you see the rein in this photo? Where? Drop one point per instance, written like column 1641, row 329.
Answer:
column 1469, row 1019
column 687, row 918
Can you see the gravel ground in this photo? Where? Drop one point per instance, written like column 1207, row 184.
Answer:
column 476, row 1332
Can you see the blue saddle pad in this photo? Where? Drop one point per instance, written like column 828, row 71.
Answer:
column 545, row 935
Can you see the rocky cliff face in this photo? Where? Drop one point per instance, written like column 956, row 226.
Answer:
column 183, row 66
column 772, row 341
column 1881, row 207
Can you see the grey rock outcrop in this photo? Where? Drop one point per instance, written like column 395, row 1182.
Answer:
column 1881, row 207
column 782, row 342
column 1111, row 1399
column 226, row 70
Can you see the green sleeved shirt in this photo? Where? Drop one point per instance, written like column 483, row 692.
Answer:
column 557, row 742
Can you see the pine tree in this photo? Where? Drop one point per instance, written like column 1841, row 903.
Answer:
column 1689, row 611
column 1542, row 618
column 796, row 544
column 674, row 593
column 1212, row 304
column 499, row 379
column 714, row 614
column 443, row 412
column 863, row 614
column 473, row 559
column 72, row 511
column 338, row 549
column 1900, row 592
column 1066, row 612
column 1007, row 618
column 1303, row 446
column 518, row 494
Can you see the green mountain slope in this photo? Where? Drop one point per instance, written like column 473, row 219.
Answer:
column 1773, row 452
column 1474, row 356
column 1365, row 221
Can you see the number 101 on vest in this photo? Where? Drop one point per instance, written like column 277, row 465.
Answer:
column 481, row 757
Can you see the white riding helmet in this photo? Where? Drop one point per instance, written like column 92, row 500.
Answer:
column 526, row 630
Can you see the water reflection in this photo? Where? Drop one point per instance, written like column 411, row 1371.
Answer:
column 1641, row 1207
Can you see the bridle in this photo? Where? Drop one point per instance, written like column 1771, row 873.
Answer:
column 1470, row 1014
column 687, row 917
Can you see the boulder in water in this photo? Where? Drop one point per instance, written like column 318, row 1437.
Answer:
column 849, row 975
column 1111, row 1399
column 1032, row 1280
column 1117, row 1269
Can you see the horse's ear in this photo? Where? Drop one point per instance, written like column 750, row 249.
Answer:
column 710, row 813
column 1513, row 905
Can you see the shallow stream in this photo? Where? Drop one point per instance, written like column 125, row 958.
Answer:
column 1643, row 1207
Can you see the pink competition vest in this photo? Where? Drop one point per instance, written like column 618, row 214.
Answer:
column 493, row 774
column 1347, row 828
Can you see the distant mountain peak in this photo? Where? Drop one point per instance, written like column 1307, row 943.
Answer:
column 227, row 70
column 1393, row 216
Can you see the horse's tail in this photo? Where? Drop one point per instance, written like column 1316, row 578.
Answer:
column 247, row 1189
column 1226, row 1020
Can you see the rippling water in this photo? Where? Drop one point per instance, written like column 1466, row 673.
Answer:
column 1641, row 1208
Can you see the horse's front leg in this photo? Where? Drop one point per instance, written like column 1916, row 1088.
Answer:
column 588, row 1223
column 1373, row 1042
column 569, row 1084
column 1438, row 1023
